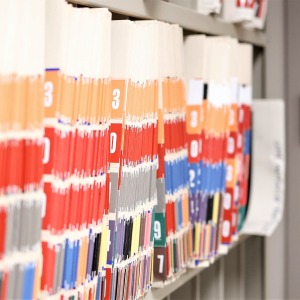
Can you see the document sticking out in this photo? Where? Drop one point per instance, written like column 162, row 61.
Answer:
column 267, row 168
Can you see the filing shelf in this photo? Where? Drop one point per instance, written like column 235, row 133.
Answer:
column 172, row 13
column 252, row 269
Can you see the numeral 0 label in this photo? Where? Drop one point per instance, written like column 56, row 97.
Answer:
column 194, row 148
column 226, row 228
column 113, row 142
column 230, row 145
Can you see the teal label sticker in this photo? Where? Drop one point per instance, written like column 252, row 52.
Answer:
column 159, row 230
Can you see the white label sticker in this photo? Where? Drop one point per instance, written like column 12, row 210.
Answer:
column 195, row 95
column 227, row 201
column 226, row 229
column 229, row 173
column 230, row 145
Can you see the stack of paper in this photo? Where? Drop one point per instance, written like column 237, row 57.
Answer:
column 172, row 230
column 76, row 162
column 204, row 7
column 21, row 147
column 238, row 10
column 251, row 12
column 260, row 15
column 209, row 6
column 266, row 205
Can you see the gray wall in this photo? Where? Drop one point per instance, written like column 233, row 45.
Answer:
column 293, row 148
column 275, row 247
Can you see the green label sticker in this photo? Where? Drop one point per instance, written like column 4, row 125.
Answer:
column 159, row 229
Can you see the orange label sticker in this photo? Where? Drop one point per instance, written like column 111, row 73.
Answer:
column 233, row 117
column 231, row 174
column 51, row 92
column 117, row 98
column 193, row 119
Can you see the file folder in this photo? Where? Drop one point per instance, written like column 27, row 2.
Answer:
column 263, row 216
column 21, row 147
column 76, row 180
column 212, row 74
column 133, row 159
column 172, row 213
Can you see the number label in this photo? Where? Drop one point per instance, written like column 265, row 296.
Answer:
column 48, row 97
column 230, row 145
column 194, row 119
column 116, row 99
column 157, row 230
column 226, row 228
column 193, row 122
column 229, row 173
column 194, row 148
column 192, row 178
column 231, row 117
column 161, row 263
column 46, row 156
column 241, row 116
column 113, row 142
column 227, row 201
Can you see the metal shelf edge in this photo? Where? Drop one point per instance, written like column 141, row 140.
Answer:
column 172, row 13
column 161, row 293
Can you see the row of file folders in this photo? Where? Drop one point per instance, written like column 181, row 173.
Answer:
column 135, row 166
